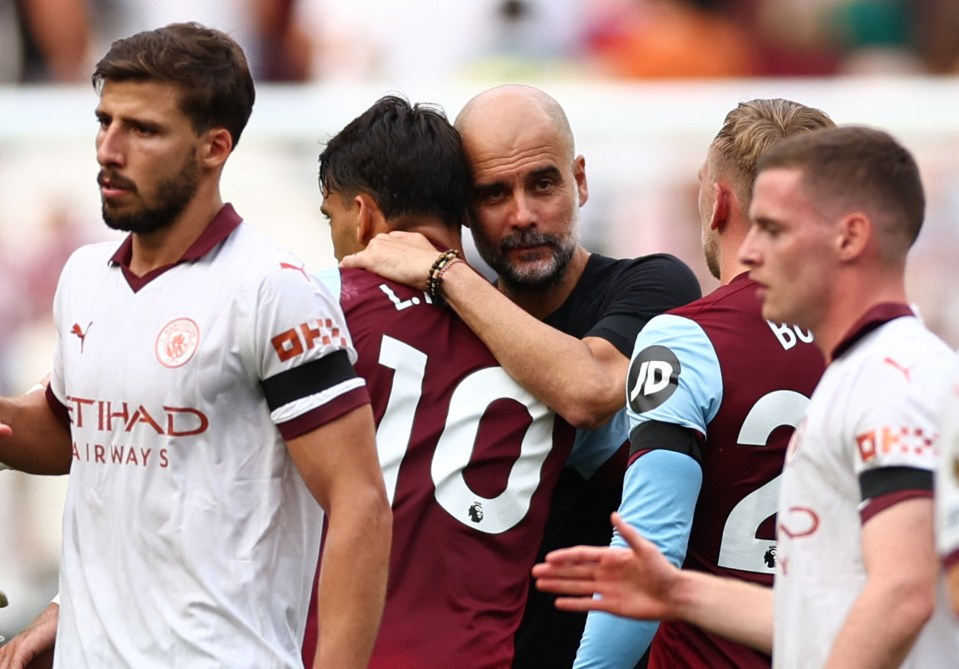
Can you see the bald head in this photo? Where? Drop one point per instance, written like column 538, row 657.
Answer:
column 513, row 111
column 528, row 187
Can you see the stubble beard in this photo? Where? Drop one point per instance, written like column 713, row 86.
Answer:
column 173, row 196
column 535, row 277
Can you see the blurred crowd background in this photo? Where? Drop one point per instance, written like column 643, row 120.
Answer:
column 646, row 84
column 308, row 40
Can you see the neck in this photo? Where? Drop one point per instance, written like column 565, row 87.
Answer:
column 729, row 242
column 166, row 246
column 849, row 303
column 433, row 228
column 541, row 303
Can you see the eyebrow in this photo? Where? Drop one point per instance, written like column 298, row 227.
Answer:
column 548, row 171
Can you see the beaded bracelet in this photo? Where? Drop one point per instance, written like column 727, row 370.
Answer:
column 435, row 278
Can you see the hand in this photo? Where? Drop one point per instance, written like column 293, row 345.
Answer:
column 405, row 257
column 637, row 582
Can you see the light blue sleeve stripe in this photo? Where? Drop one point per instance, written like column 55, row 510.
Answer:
column 592, row 448
column 699, row 392
column 659, row 498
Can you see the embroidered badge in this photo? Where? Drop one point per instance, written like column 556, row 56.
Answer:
column 177, row 342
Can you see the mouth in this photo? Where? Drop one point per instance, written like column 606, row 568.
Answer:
column 113, row 186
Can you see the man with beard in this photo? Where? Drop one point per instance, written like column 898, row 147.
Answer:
column 469, row 456
column 561, row 320
column 203, row 401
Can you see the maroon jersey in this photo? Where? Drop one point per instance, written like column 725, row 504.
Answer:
column 470, row 461
column 764, row 374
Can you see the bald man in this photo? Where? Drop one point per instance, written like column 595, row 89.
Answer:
column 560, row 319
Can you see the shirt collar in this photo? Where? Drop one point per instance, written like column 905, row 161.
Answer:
column 869, row 321
column 225, row 222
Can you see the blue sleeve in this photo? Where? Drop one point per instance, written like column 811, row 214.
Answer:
column 674, row 375
column 659, row 498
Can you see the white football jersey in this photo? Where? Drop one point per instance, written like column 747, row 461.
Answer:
column 869, row 439
column 947, row 481
column 189, row 538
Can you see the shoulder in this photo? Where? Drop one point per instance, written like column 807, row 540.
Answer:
column 654, row 264
column 900, row 368
column 659, row 274
column 258, row 264
column 93, row 254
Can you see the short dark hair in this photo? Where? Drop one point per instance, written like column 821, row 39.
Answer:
column 409, row 158
column 855, row 167
column 207, row 64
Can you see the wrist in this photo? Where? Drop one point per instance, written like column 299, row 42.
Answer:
column 440, row 267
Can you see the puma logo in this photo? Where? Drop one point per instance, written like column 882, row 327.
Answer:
column 301, row 269
column 904, row 370
column 81, row 335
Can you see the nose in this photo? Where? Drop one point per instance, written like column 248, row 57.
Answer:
column 110, row 149
column 523, row 215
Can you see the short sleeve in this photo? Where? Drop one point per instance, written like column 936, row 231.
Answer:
column 304, row 352
column 674, row 376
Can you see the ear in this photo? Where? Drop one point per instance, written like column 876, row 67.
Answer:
column 370, row 220
column 721, row 203
column 216, row 148
column 579, row 175
column 855, row 234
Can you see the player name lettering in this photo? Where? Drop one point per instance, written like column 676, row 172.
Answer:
column 121, row 455
column 109, row 416
column 789, row 335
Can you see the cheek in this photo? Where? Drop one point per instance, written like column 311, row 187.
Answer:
column 484, row 224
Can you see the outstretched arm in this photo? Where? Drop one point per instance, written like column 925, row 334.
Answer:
column 639, row 582
column 338, row 462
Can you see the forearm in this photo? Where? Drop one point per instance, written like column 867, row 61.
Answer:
column 352, row 583
column 33, row 647
column 659, row 498
column 737, row 610
column 561, row 370
column 32, row 439
column 613, row 642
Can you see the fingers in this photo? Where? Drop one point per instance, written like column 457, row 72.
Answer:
column 354, row 260
column 576, row 554
column 580, row 604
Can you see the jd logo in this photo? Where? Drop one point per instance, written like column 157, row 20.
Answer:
column 652, row 378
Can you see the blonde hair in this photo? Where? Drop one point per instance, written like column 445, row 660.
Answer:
column 754, row 126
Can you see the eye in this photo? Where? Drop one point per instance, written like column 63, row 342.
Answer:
column 543, row 184
column 143, row 130
column 490, row 194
